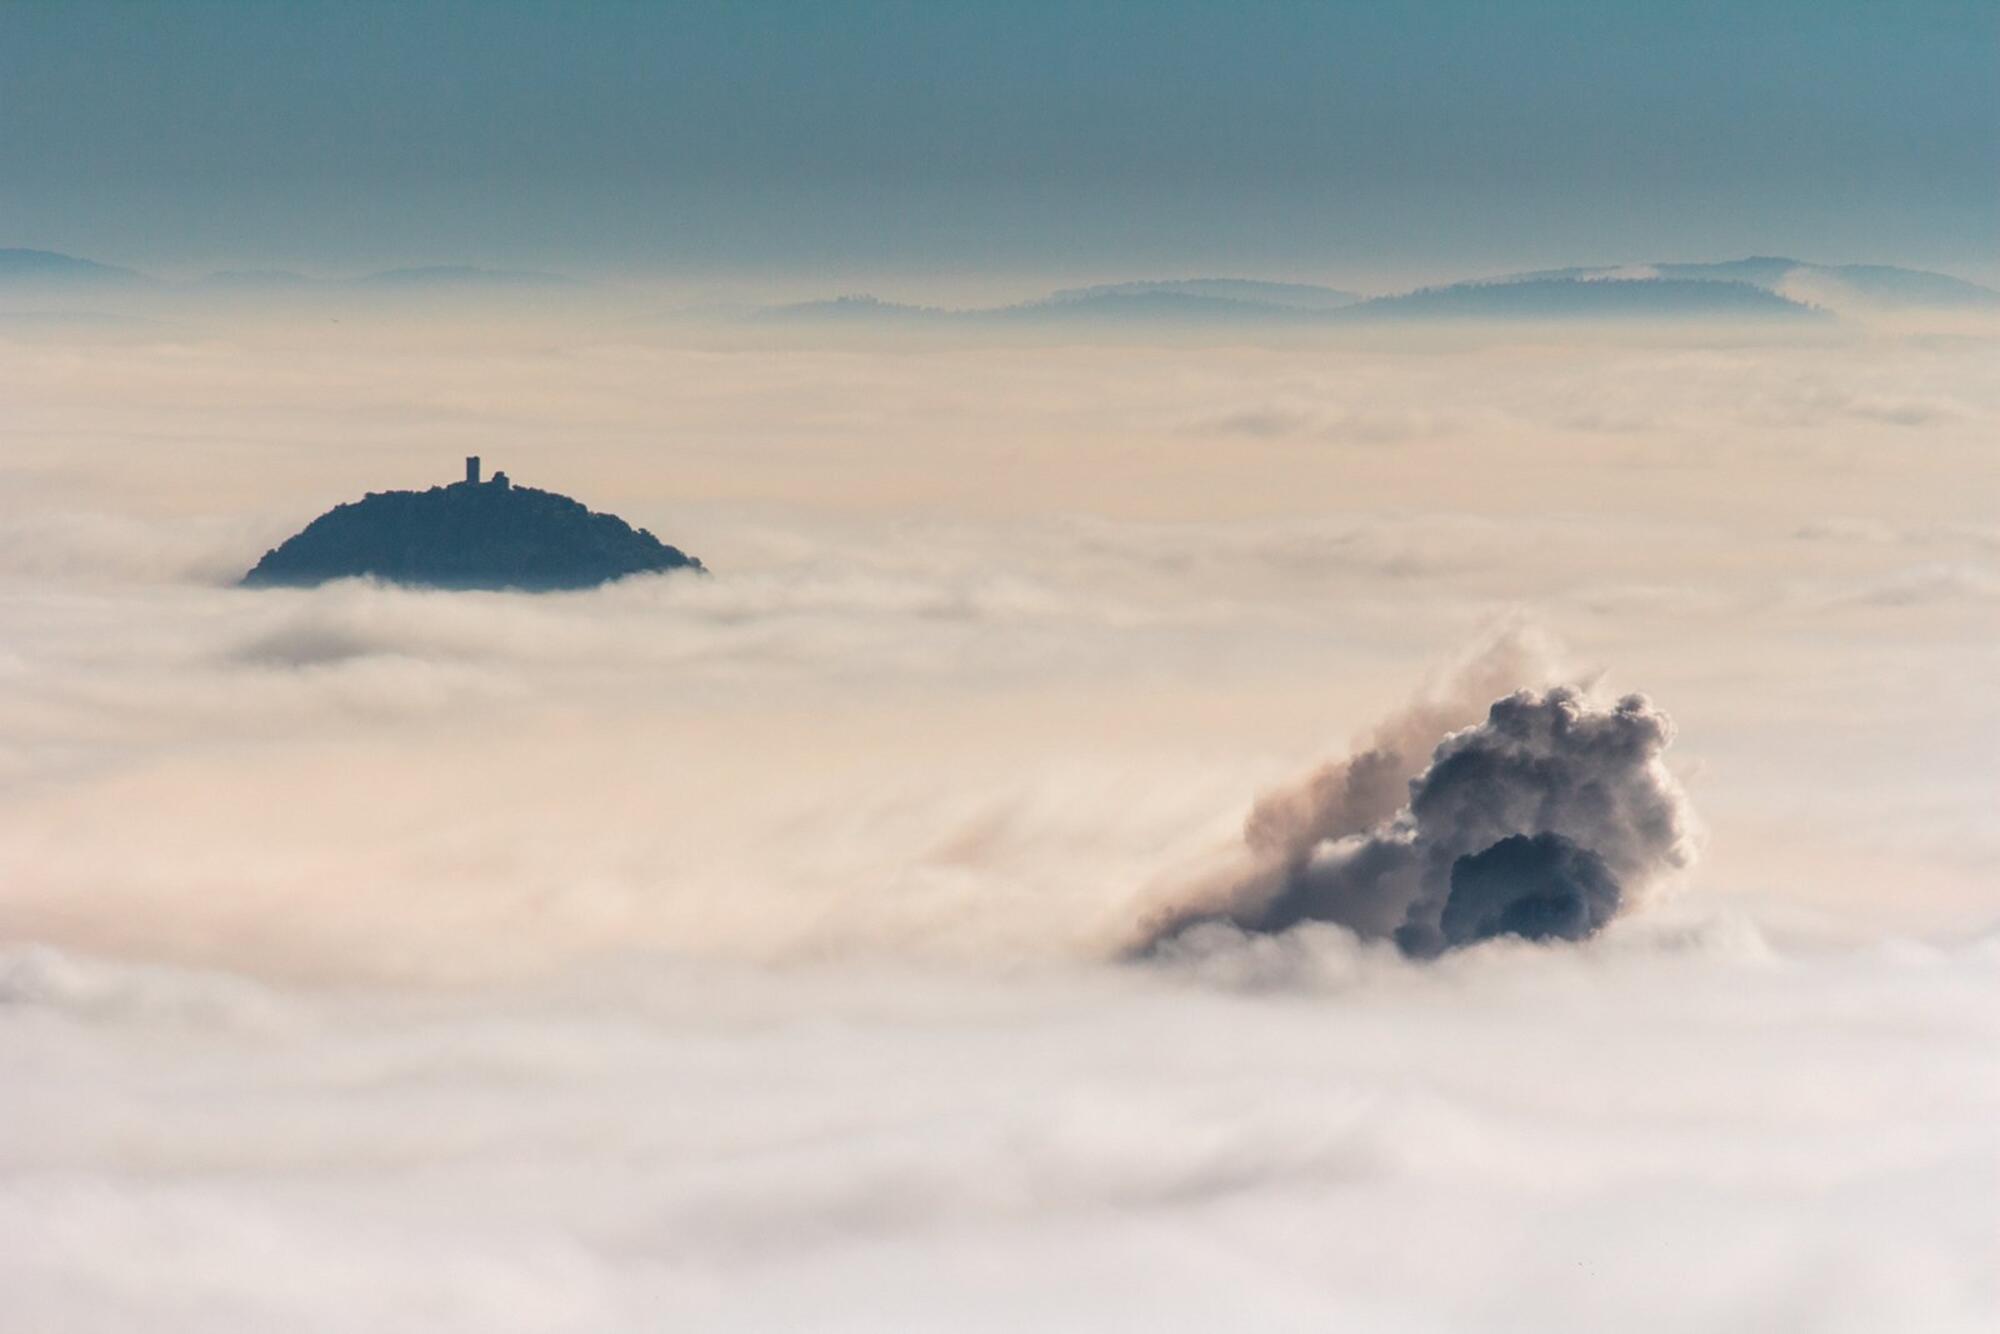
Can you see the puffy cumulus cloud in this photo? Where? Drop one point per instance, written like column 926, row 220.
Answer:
column 1538, row 887
column 1538, row 822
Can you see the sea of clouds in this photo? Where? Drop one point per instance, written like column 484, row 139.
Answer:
column 946, row 915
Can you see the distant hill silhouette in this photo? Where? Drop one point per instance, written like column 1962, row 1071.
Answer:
column 1182, row 301
column 1874, row 284
column 1666, row 290
column 1523, row 299
column 1565, row 298
column 1892, row 286
column 854, row 308
column 469, row 534
column 47, row 267
column 1762, row 287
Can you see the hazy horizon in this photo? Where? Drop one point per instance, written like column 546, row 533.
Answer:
column 950, row 289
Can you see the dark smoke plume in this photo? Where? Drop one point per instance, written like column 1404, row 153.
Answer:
column 1539, row 887
column 1541, row 821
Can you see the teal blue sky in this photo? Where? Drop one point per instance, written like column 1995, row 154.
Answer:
column 1342, row 141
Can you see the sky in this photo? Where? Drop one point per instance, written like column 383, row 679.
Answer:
column 1353, row 143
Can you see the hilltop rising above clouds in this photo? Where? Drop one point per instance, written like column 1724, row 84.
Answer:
column 470, row 534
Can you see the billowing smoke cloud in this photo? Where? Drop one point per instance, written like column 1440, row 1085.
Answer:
column 1539, row 887
column 1541, row 821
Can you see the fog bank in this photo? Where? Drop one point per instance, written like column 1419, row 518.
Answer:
column 754, row 951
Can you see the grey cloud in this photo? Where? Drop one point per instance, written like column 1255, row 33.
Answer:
column 1537, row 821
column 1538, row 887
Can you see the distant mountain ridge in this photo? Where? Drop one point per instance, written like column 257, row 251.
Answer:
column 1536, row 299
column 51, row 267
column 1762, row 288
column 1758, row 287
column 1884, row 284
column 1528, row 299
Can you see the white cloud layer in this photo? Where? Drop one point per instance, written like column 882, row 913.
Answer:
column 734, row 953
column 1675, row 1128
